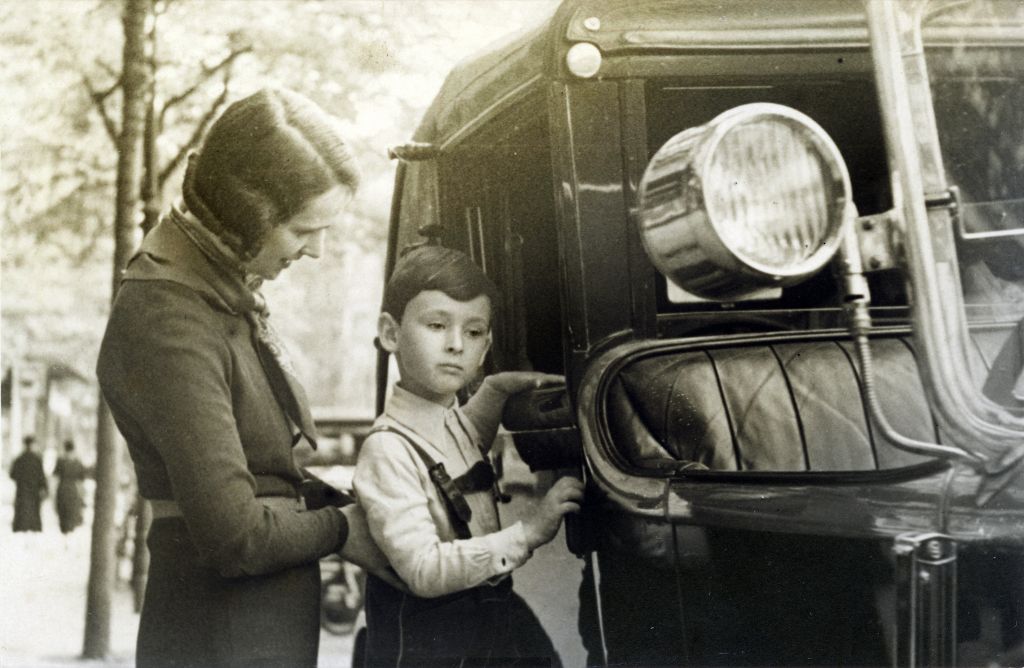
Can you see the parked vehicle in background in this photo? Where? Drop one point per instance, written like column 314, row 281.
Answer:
column 776, row 249
column 342, row 593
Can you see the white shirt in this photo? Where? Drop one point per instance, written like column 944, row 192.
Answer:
column 407, row 516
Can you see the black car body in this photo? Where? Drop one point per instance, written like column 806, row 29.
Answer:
column 816, row 467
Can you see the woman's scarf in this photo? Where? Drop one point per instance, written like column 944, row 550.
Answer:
column 269, row 346
column 208, row 244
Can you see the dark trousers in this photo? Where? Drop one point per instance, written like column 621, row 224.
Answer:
column 483, row 626
column 191, row 616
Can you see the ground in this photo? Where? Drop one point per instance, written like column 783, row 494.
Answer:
column 43, row 580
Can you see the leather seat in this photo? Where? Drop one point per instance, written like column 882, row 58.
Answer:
column 795, row 406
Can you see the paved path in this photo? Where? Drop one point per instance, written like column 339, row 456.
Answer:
column 43, row 580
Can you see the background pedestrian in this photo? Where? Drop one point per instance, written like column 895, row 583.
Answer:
column 70, row 472
column 31, row 489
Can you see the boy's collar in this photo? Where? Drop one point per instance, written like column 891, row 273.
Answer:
column 425, row 417
column 451, row 403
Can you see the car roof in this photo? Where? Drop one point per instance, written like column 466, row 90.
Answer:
column 484, row 82
column 487, row 82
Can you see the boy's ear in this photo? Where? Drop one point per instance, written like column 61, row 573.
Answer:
column 387, row 332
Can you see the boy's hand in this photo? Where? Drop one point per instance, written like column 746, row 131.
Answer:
column 563, row 497
column 513, row 382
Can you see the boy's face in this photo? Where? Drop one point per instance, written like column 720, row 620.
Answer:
column 440, row 343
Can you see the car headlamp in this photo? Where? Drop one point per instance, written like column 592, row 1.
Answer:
column 756, row 198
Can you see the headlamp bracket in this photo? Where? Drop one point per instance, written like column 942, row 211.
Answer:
column 880, row 240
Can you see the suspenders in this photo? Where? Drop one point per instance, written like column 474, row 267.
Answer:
column 478, row 478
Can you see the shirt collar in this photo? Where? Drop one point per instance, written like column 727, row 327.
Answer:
column 426, row 418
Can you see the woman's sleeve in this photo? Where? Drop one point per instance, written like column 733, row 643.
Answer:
column 170, row 373
column 390, row 487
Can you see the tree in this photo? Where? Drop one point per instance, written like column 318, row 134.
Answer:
column 375, row 65
column 134, row 81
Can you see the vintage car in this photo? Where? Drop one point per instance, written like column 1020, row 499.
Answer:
column 776, row 250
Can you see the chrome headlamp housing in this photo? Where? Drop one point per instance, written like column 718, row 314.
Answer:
column 756, row 198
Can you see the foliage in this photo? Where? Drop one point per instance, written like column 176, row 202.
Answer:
column 375, row 64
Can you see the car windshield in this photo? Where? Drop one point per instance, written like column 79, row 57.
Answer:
column 975, row 58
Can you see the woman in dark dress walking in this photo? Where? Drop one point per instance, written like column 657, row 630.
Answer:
column 30, row 488
column 70, row 472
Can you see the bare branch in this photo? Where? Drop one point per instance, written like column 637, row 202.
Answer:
column 197, row 133
column 99, row 98
column 114, row 74
column 92, row 241
column 85, row 184
column 109, row 69
column 39, row 219
column 205, row 75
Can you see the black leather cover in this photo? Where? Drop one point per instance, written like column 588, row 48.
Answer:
column 782, row 407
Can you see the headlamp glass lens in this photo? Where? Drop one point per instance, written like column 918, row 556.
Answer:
column 769, row 192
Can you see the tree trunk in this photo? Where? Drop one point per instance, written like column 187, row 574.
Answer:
column 150, row 191
column 102, row 562
column 135, row 73
column 151, row 205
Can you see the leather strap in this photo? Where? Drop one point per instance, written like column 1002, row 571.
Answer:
column 287, row 389
column 459, row 512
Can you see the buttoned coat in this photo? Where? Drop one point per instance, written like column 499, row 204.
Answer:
column 235, row 579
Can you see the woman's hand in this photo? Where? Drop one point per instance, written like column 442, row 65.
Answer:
column 513, row 382
column 361, row 550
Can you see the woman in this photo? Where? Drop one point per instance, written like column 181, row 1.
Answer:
column 205, row 398
column 70, row 473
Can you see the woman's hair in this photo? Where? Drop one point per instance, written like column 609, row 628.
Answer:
column 262, row 161
column 435, row 268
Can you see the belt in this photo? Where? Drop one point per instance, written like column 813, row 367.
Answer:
column 165, row 508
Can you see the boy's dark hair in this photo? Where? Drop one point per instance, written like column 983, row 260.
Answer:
column 435, row 268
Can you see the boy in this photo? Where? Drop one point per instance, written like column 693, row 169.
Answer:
column 428, row 490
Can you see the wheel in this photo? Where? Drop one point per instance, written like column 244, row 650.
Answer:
column 341, row 597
